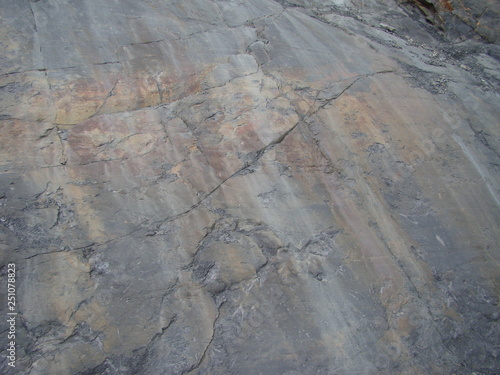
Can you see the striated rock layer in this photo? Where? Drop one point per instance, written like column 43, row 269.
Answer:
column 250, row 187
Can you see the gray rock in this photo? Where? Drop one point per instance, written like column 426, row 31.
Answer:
column 264, row 187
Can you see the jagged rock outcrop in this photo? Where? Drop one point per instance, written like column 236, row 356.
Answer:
column 258, row 187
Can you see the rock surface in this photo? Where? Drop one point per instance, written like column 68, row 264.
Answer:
column 251, row 187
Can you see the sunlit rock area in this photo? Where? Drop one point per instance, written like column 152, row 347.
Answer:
column 261, row 187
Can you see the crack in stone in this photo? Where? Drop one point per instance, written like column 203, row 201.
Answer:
column 160, row 334
column 158, row 86
column 260, row 153
column 232, row 79
column 336, row 96
column 61, row 137
column 148, row 42
column 154, row 106
column 80, row 304
column 102, row 161
column 110, row 94
column 204, row 354
column 62, row 250
column 49, row 70
column 286, row 4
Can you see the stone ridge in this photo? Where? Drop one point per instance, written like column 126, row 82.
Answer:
column 265, row 187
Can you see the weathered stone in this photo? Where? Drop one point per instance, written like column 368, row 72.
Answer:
column 264, row 187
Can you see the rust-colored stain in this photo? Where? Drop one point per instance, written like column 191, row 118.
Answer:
column 446, row 4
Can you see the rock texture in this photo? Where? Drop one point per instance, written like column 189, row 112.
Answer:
column 251, row 187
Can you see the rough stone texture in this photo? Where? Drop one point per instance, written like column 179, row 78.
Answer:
column 251, row 187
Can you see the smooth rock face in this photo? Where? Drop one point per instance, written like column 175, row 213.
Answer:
column 259, row 187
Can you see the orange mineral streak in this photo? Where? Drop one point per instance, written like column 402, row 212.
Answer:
column 447, row 5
